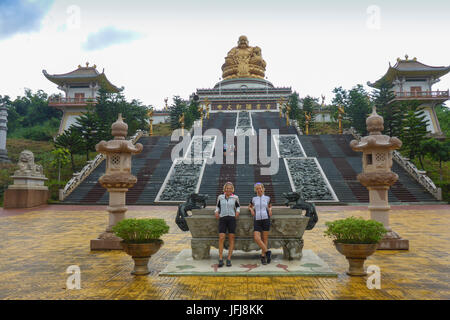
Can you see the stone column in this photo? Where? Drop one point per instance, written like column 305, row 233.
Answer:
column 117, row 180
column 3, row 131
column 377, row 176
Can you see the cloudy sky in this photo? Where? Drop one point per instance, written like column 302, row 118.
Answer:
column 157, row 49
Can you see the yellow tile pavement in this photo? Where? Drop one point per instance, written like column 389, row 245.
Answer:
column 37, row 247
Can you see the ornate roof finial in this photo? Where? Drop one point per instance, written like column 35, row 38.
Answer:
column 375, row 122
column 87, row 64
column 119, row 129
column 406, row 57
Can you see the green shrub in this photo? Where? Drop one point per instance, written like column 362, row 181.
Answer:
column 140, row 230
column 53, row 187
column 355, row 230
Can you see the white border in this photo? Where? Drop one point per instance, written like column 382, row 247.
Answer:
column 276, row 138
column 330, row 188
column 237, row 121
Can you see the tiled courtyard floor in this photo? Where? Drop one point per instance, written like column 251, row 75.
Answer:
column 39, row 244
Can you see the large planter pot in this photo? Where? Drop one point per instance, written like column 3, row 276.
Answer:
column 141, row 253
column 356, row 254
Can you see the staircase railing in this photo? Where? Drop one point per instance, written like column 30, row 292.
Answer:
column 418, row 175
column 295, row 124
column 91, row 165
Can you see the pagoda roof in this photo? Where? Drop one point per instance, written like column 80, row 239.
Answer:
column 83, row 75
column 409, row 68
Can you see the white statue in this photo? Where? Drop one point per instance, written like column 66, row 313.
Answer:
column 27, row 167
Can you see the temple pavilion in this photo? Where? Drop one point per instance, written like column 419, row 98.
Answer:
column 80, row 89
column 414, row 80
column 243, row 85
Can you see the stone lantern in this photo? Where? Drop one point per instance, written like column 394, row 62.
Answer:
column 377, row 176
column 117, row 180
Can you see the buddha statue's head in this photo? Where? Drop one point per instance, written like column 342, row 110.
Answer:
column 243, row 42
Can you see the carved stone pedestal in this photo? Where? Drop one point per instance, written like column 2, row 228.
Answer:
column 25, row 198
column 28, row 189
column 392, row 241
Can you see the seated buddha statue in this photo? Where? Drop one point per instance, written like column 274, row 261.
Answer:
column 244, row 61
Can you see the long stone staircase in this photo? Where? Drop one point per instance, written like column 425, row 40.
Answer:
column 340, row 164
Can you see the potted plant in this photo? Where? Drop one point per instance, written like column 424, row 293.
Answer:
column 356, row 239
column 141, row 240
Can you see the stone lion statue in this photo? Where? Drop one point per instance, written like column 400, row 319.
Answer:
column 27, row 167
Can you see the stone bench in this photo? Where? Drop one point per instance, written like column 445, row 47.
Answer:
column 286, row 232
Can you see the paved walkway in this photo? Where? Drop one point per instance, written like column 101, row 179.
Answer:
column 39, row 244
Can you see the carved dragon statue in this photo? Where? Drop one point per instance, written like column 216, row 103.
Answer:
column 192, row 202
column 299, row 203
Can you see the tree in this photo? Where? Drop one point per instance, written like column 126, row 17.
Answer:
column 294, row 105
column 390, row 112
column 340, row 99
column 357, row 105
column 176, row 110
column 88, row 126
column 309, row 105
column 70, row 140
column 60, row 157
column 108, row 107
column 438, row 151
column 31, row 110
column 443, row 115
column 414, row 130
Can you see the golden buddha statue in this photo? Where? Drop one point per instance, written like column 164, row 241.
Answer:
column 244, row 61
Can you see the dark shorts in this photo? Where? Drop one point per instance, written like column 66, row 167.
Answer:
column 227, row 223
column 262, row 225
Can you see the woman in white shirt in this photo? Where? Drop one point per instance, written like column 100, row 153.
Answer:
column 261, row 209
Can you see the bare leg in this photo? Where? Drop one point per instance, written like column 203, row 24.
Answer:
column 221, row 241
column 259, row 242
column 231, row 247
column 265, row 236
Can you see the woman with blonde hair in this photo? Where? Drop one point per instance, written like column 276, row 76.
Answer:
column 261, row 209
column 227, row 210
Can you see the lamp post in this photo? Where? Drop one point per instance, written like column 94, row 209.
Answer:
column 181, row 121
column 288, row 109
column 307, row 119
column 377, row 176
column 340, row 113
column 207, row 103
column 117, row 180
column 200, row 110
column 150, row 116
column 280, row 106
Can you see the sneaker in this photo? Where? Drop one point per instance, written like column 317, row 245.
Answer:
column 228, row 263
column 220, row 263
column 269, row 256
column 263, row 260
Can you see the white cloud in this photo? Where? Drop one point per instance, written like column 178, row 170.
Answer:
column 22, row 16
column 109, row 36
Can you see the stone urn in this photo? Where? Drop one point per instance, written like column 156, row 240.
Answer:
column 141, row 254
column 356, row 254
